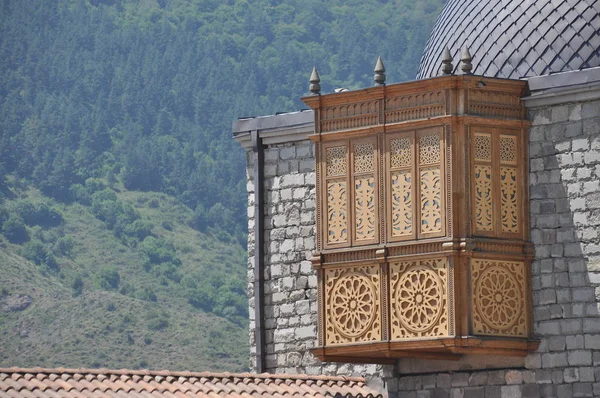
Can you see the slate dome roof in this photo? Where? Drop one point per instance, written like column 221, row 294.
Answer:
column 516, row 38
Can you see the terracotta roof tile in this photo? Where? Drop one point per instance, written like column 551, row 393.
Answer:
column 71, row 383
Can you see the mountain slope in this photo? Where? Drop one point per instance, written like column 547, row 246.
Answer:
column 146, row 321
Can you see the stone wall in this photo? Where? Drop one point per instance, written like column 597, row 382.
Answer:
column 565, row 221
column 290, row 282
column 565, row 230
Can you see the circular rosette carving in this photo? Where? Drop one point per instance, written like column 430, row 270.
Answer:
column 353, row 304
column 498, row 298
column 419, row 298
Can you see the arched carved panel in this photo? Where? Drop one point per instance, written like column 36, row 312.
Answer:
column 419, row 298
column 498, row 297
column 364, row 207
column 402, row 203
column 431, row 201
column 337, row 211
column 483, row 198
column 509, row 191
column 352, row 298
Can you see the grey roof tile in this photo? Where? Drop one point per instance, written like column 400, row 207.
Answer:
column 516, row 38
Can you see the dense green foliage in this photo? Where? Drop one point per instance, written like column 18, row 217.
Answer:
column 145, row 91
column 102, row 99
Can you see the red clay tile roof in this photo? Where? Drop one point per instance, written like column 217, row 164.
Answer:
column 67, row 383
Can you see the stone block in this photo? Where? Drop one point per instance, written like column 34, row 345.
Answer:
column 580, row 358
column 554, row 360
column 513, row 377
column 548, row 328
column 531, row 391
column 496, row 377
column 586, row 374
column 584, row 294
column 510, row 392
column 474, row 392
column 555, row 343
column 582, row 390
column 564, row 391
column 570, row 326
column 571, row 375
column 574, row 342
column 287, row 153
column 460, row 379
column 493, row 392
column 443, row 380
column 478, row 379
column 305, row 333
column 557, row 376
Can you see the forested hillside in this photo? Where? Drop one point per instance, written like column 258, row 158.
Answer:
column 115, row 113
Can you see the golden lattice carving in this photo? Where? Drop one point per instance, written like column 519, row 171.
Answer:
column 364, row 208
column 353, row 309
column 483, row 147
column 364, row 158
column 419, row 298
column 498, row 297
column 336, row 162
column 508, row 149
column 509, row 199
column 337, row 212
column 483, row 198
column 429, row 148
column 431, row 201
column 401, row 152
column 402, row 198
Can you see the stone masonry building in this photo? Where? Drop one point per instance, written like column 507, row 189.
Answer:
column 555, row 47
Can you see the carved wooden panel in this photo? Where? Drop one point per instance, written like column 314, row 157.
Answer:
column 419, row 297
column 401, row 186
column 431, row 195
column 482, row 150
column 337, row 211
column 365, row 195
column 509, row 185
column 337, row 161
column 415, row 106
column 509, row 199
column 498, row 297
column 495, row 179
column 416, row 185
column 348, row 116
column 352, row 299
column 336, row 207
column 402, row 203
column 482, row 179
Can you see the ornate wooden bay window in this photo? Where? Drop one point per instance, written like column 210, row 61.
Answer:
column 422, row 220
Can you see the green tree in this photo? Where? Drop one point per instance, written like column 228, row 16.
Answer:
column 14, row 230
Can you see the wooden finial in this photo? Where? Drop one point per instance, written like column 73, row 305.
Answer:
column 315, row 80
column 447, row 66
column 379, row 73
column 466, row 58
